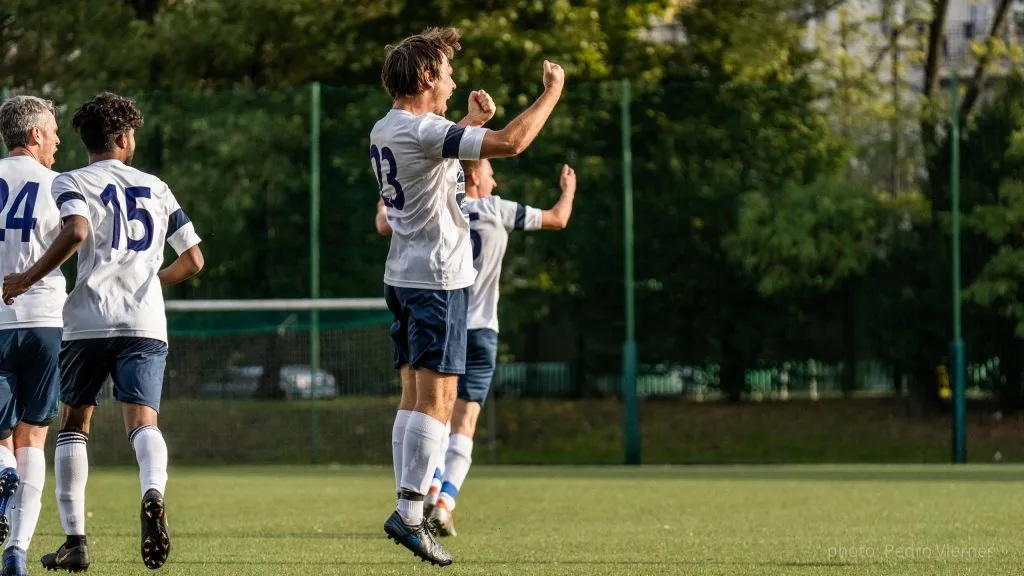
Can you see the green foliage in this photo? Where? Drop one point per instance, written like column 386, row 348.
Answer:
column 1000, row 284
column 775, row 180
column 810, row 237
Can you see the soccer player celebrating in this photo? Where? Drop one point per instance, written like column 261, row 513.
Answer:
column 117, row 218
column 414, row 153
column 29, row 330
column 491, row 218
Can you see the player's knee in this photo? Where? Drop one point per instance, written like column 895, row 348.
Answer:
column 31, row 434
column 138, row 415
column 75, row 418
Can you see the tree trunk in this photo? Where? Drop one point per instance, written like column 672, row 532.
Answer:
column 977, row 83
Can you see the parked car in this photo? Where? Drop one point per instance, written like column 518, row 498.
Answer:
column 244, row 381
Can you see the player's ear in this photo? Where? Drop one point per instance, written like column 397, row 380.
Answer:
column 122, row 140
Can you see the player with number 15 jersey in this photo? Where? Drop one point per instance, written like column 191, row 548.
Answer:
column 117, row 218
column 131, row 215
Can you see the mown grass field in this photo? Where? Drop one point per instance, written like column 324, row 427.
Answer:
column 546, row 521
column 578, row 432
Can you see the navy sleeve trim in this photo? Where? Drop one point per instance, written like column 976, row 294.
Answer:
column 452, row 141
column 520, row 217
column 176, row 221
column 68, row 196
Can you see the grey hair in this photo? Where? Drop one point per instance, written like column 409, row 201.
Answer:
column 19, row 115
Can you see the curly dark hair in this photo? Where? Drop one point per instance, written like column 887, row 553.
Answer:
column 416, row 59
column 103, row 118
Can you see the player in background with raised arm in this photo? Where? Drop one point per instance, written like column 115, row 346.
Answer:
column 414, row 154
column 30, row 330
column 491, row 218
column 117, row 218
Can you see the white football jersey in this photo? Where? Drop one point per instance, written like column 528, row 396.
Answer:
column 29, row 222
column 416, row 162
column 131, row 214
column 490, row 221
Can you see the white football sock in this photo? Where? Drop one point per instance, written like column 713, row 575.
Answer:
column 397, row 440
column 29, row 500
column 457, row 462
column 444, row 446
column 435, row 482
column 71, row 468
column 7, row 459
column 420, row 457
column 151, row 453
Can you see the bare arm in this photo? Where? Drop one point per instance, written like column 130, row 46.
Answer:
column 72, row 234
column 187, row 265
column 381, row 220
column 513, row 139
column 558, row 216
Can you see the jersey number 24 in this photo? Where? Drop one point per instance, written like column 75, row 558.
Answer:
column 379, row 156
column 27, row 198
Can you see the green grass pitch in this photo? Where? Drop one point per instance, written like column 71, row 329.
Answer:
column 899, row 520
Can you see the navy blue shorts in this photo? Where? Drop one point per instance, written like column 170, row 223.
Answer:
column 429, row 329
column 135, row 364
column 481, row 360
column 29, row 377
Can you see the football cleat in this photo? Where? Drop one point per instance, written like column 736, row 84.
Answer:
column 8, row 487
column 442, row 521
column 418, row 539
column 156, row 541
column 72, row 559
column 14, row 562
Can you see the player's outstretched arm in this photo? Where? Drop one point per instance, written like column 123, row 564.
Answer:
column 74, row 231
column 558, row 216
column 381, row 220
column 513, row 139
column 187, row 265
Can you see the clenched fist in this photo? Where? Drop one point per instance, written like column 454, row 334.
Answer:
column 481, row 107
column 554, row 75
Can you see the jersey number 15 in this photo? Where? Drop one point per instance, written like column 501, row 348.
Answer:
column 26, row 197
column 131, row 194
